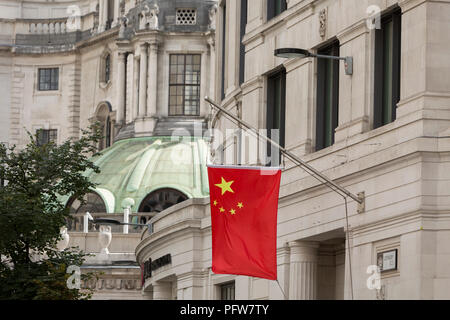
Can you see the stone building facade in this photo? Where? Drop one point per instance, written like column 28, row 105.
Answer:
column 139, row 67
column 383, row 131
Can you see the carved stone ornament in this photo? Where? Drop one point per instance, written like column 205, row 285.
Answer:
column 104, row 238
column 212, row 17
column 62, row 244
column 323, row 23
column 149, row 18
column 112, row 284
column 123, row 24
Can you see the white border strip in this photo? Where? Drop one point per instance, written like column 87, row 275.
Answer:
column 244, row 167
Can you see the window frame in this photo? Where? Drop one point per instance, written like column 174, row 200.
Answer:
column 272, row 79
column 327, row 106
column 184, row 84
column 227, row 285
column 47, row 136
column 272, row 8
column 381, row 114
column 51, row 88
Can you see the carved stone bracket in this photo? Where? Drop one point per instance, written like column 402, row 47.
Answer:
column 323, row 23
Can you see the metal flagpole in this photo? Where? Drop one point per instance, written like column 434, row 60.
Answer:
column 335, row 187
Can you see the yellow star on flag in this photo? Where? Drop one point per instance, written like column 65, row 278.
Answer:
column 221, row 209
column 215, row 202
column 232, row 211
column 240, row 205
column 225, row 186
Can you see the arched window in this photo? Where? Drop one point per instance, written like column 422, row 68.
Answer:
column 103, row 116
column 161, row 199
column 94, row 204
column 107, row 68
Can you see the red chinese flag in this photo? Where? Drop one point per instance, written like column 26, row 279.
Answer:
column 244, row 205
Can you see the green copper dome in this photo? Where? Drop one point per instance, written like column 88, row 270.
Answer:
column 133, row 168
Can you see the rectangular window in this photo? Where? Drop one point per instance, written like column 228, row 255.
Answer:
column 327, row 96
column 275, row 116
column 275, row 7
column 224, row 31
column 227, row 291
column 184, row 84
column 45, row 136
column 242, row 47
column 48, row 79
column 387, row 69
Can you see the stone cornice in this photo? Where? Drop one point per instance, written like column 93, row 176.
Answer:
column 353, row 31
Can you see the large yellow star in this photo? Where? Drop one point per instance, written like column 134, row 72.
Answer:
column 225, row 186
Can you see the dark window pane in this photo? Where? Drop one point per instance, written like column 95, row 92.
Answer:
column 48, row 79
column 387, row 69
column 184, row 84
column 327, row 97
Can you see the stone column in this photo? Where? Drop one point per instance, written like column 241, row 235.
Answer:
column 116, row 13
column 102, row 15
column 162, row 290
column 135, row 88
column 152, row 93
column 303, row 270
column 143, row 81
column 121, row 81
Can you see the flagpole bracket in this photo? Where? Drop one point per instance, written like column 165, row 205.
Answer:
column 361, row 205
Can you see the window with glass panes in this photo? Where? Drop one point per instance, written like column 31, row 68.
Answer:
column 48, row 79
column 184, row 84
column 327, row 96
column 275, row 7
column 45, row 136
column 227, row 291
column 387, row 68
column 275, row 113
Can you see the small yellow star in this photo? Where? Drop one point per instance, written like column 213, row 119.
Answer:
column 225, row 186
column 232, row 211
column 215, row 202
column 221, row 209
column 240, row 205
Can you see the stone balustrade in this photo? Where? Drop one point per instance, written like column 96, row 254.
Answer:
column 58, row 27
column 76, row 221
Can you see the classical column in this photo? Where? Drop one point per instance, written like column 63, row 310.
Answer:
column 162, row 290
column 143, row 81
column 135, row 87
column 303, row 270
column 121, row 81
column 152, row 79
column 102, row 15
column 116, row 13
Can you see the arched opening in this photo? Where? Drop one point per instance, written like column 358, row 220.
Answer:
column 103, row 116
column 93, row 204
column 161, row 199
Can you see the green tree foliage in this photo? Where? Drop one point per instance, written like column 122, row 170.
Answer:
column 31, row 215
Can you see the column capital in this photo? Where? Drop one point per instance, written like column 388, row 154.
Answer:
column 303, row 251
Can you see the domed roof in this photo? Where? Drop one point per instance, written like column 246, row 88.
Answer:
column 133, row 168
